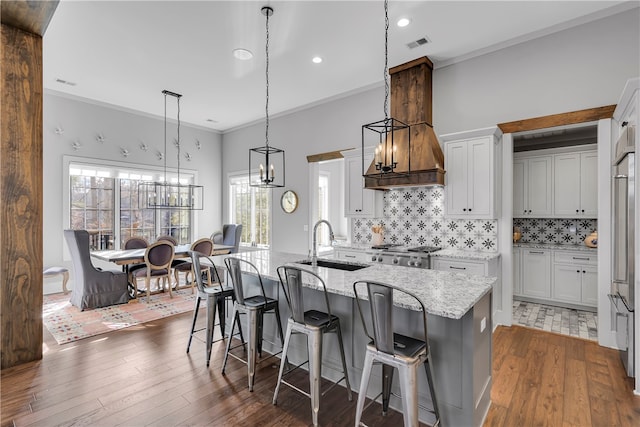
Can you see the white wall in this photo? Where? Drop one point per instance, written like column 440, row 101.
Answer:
column 579, row 68
column 82, row 121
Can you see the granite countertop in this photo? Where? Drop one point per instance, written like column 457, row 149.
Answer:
column 462, row 254
column 555, row 247
column 443, row 293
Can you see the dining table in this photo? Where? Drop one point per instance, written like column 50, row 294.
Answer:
column 128, row 257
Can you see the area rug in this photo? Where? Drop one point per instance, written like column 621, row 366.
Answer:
column 67, row 323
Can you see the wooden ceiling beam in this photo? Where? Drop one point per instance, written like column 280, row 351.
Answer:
column 563, row 119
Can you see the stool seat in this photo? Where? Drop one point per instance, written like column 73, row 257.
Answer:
column 58, row 271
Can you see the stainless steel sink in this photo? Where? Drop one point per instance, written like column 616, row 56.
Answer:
column 345, row 266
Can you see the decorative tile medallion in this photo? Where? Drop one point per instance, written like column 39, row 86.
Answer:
column 415, row 217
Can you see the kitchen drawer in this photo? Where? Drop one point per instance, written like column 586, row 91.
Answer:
column 581, row 258
column 467, row 267
column 351, row 255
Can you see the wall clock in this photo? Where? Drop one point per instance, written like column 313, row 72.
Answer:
column 289, row 201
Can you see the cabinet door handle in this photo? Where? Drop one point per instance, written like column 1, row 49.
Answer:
column 582, row 210
column 469, row 209
column 580, row 258
column 457, row 268
column 464, row 209
column 577, row 271
column 584, row 272
column 577, row 210
column 538, row 253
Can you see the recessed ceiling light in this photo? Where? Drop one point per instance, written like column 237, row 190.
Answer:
column 242, row 54
column 316, row 60
column 403, row 22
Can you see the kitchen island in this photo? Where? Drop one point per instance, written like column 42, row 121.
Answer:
column 459, row 322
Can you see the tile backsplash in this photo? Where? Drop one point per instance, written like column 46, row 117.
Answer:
column 415, row 217
column 555, row 231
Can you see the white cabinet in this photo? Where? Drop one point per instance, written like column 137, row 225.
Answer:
column 471, row 174
column 536, row 273
column 532, row 187
column 358, row 201
column 575, row 185
column 575, row 278
column 558, row 277
column 517, row 274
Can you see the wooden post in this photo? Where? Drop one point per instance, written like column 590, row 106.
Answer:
column 23, row 24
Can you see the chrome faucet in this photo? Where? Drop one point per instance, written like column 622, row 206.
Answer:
column 314, row 256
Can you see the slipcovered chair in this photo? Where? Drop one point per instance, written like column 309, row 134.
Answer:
column 92, row 287
column 229, row 236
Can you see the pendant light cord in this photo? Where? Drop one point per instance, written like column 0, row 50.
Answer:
column 266, row 108
column 386, row 59
column 178, row 98
column 165, row 138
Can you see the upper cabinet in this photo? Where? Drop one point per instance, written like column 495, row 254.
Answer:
column 575, row 185
column 359, row 202
column 471, row 179
column 532, row 186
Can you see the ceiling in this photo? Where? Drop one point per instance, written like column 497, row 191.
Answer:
column 124, row 53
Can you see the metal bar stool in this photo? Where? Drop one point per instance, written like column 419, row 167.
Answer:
column 394, row 351
column 313, row 324
column 256, row 306
column 215, row 295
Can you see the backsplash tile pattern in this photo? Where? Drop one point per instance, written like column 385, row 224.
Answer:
column 555, row 231
column 414, row 216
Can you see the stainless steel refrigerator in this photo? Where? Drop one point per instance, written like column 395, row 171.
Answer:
column 622, row 288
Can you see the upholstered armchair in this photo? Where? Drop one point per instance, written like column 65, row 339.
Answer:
column 230, row 236
column 92, row 287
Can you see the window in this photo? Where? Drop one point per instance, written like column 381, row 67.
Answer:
column 104, row 201
column 323, row 208
column 251, row 207
column 92, row 201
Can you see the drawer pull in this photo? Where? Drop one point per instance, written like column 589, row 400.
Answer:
column 349, row 256
column 536, row 252
column 580, row 258
column 457, row 268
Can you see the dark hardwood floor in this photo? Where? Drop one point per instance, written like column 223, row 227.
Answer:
column 142, row 376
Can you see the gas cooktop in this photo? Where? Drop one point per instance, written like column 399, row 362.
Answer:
column 395, row 247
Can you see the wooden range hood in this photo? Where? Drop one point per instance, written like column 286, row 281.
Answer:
column 411, row 103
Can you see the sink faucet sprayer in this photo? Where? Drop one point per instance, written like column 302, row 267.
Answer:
column 314, row 256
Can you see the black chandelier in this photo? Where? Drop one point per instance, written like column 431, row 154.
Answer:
column 266, row 164
column 170, row 194
column 388, row 134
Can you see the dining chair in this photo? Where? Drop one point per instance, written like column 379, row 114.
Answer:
column 93, row 288
column 157, row 259
column 230, row 235
column 204, row 247
column 171, row 239
column 394, row 351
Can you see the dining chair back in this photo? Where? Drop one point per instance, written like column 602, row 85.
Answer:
column 136, row 242
column 171, row 239
column 157, row 259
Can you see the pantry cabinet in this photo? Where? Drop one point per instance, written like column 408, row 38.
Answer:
column 575, row 185
column 358, row 201
column 532, row 187
column 471, row 183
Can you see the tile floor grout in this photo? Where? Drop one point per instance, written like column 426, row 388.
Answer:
column 566, row 321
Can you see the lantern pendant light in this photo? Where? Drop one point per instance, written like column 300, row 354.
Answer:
column 266, row 163
column 386, row 135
